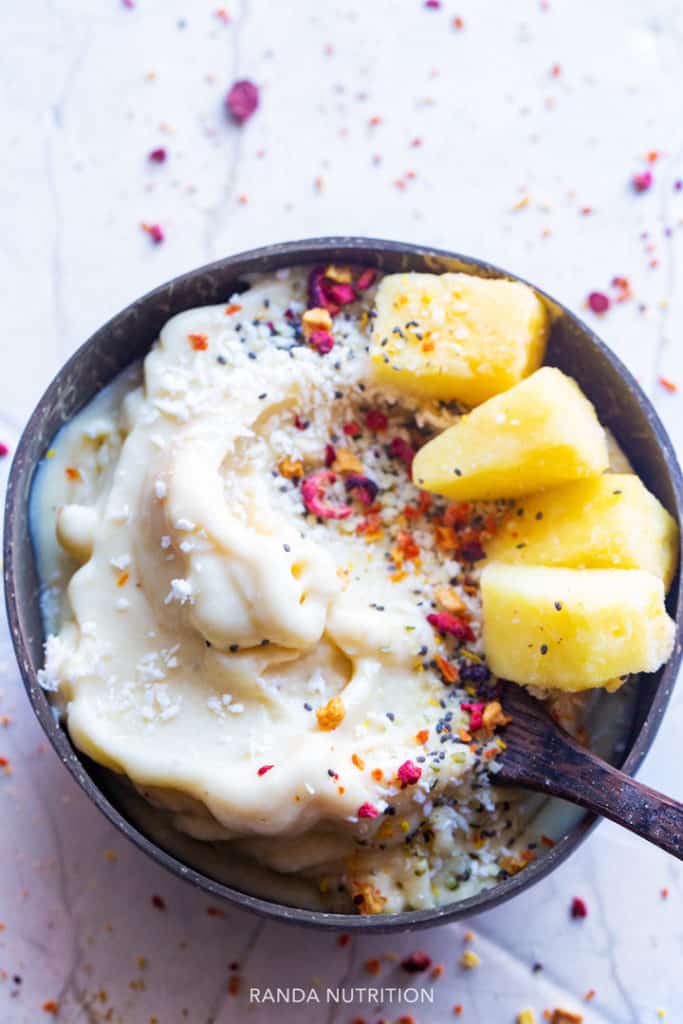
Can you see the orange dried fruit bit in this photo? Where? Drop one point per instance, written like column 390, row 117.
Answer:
column 358, row 762
column 377, row 774
column 291, row 469
column 122, row 580
column 234, row 307
column 565, row 1017
column 340, row 275
column 346, row 462
column 72, row 473
column 199, row 342
column 423, row 734
column 316, row 319
column 449, row 672
column 494, row 716
column 331, row 714
column 451, row 601
column 367, row 899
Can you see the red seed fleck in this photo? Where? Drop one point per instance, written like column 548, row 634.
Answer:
column 579, row 908
column 313, row 492
column 416, row 962
column 642, row 182
column 242, row 100
column 409, row 773
column 368, row 811
column 4, row 450
column 668, row 385
column 458, row 23
column 51, row 1006
column 343, row 939
column 598, row 302
column 444, row 622
column 664, row 893
column 376, row 420
column 158, row 902
column 264, row 769
column 374, row 121
column 330, row 454
column 352, row 429
column 158, row 155
column 555, row 71
column 302, row 425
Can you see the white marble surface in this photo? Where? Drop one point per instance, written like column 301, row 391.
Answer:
column 88, row 89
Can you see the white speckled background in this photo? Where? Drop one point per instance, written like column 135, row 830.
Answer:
column 88, row 89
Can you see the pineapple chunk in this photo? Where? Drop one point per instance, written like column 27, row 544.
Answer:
column 539, row 434
column 609, row 522
column 573, row 629
column 455, row 335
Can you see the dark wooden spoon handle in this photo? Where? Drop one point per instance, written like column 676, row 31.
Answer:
column 544, row 758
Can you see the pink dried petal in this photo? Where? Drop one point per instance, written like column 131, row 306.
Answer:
column 4, row 450
column 158, row 155
column 318, row 293
column 433, row 5
column 409, row 773
column 264, row 769
column 321, row 341
column 242, row 100
column 330, row 454
column 444, row 622
column 376, row 420
column 598, row 302
column 579, row 908
column 339, row 294
column 363, row 487
column 476, row 713
column 155, row 232
column 313, row 492
column 366, row 279
column 368, row 811
column 400, row 449
column 642, row 182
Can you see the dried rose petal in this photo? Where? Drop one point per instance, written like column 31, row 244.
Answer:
column 264, row 769
column 409, row 773
column 579, row 908
column 242, row 100
column 416, row 962
column 340, row 294
column 4, row 450
column 642, row 182
column 366, row 279
column 313, row 492
column 317, row 292
column 363, row 487
column 476, row 713
column 330, row 454
column 321, row 341
column 400, row 449
column 368, row 811
column 598, row 302
column 158, row 155
column 376, row 420
column 444, row 622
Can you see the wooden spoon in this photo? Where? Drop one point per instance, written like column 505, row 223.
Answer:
column 541, row 756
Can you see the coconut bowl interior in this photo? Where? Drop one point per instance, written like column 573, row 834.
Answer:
column 621, row 406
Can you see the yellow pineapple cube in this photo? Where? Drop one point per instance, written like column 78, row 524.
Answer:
column 608, row 522
column 539, row 434
column 456, row 336
column 573, row 629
